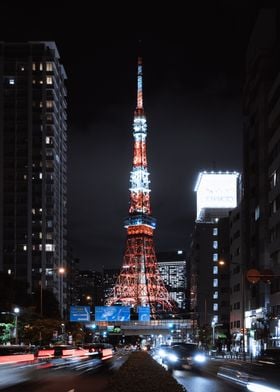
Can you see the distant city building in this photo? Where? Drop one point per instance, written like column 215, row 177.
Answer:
column 89, row 288
column 208, row 283
column 110, row 276
column 173, row 270
column 33, row 175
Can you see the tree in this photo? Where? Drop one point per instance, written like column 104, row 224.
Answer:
column 5, row 332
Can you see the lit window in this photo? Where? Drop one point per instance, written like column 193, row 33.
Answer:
column 215, row 269
column 49, row 80
column 215, row 307
column 215, row 256
column 215, row 282
column 24, row 247
column 215, row 231
column 40, row 235
column 257, row 213
column 215, row 244
column 48, row 140
column 40, row 176
column 22, row 68
column 49, row 247
column 215, row 295
column 41, row 67
column 33, row 211
column 33, row 67
column 49, row 67
column 49, row 104
column 11, row 81
column 9, row 272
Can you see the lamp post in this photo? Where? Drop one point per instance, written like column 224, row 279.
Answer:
column 214, row 325
column 16, row 312
column 61, row 272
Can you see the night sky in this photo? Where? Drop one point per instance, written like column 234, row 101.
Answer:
column 193, row 80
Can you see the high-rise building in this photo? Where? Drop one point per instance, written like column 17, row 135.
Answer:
column 172, row 266
column 33, row 166
column 261, row 173
column 139, row 282
column 217, row 194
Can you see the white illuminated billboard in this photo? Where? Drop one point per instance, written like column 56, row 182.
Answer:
column 216, row 190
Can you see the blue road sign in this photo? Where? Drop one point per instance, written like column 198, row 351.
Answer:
column 79, row 313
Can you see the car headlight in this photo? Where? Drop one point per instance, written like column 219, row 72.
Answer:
column 254, row 387
column 199, row 358
column 172, row 357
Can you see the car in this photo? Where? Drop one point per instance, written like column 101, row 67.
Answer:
column 270, row 356
column 104, row 350
column 184, row 356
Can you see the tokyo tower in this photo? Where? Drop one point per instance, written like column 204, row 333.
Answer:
column 139, row 282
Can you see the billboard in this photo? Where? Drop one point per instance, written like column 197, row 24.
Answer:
column 79, row 313
column 216, row 190
column 144, row 313
column 112, row 313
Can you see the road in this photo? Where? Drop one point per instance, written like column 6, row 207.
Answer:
column 95, row 379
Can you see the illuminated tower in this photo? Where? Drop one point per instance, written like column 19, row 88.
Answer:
column 139, row 282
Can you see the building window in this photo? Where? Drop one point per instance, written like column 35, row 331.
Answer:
column 41, row 67
column 215, row 282
column 49, row 104
column 215, row 307
column 215, row 256
column 215, row 270
column 33, row 66
column 24, row 247
column 215, row 295
column 11, row 81
column 257, row 213
column 215, row 244
column 215, row 231
column 49, row 67
column 49, row 80
column 49, row 247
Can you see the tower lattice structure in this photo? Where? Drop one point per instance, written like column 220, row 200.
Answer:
column 139, row 282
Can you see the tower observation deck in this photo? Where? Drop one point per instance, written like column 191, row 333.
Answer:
column 139, row 282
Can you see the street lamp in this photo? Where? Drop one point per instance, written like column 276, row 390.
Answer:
column 214, row 325
column 16, row 312
column 61, row 272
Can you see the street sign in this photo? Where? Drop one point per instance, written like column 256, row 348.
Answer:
column 79, row 313
column 253, row 275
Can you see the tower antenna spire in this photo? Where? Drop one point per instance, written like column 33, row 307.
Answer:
column 139, row 85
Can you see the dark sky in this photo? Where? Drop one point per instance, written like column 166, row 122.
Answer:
column 193, row 79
